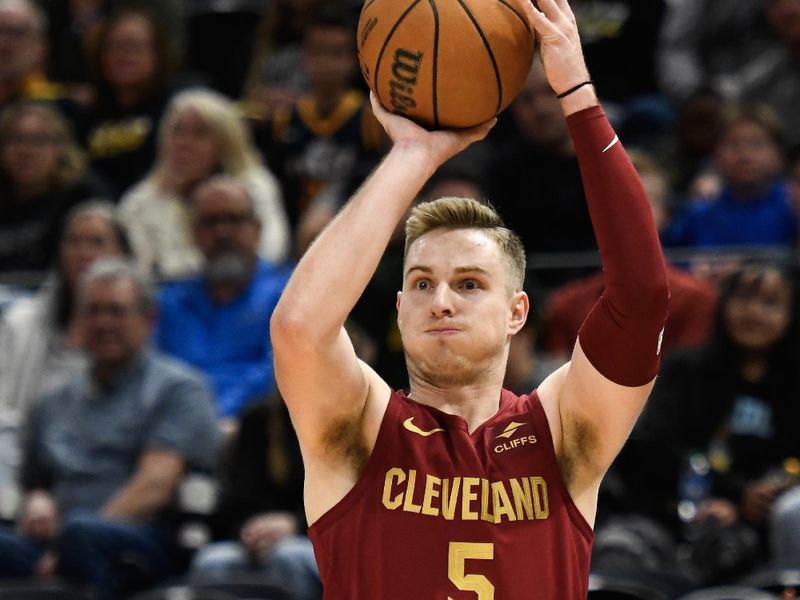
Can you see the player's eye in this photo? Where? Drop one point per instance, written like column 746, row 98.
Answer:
column 422, row 284
column 470, row 284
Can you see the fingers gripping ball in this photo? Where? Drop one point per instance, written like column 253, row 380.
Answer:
column 445, row 63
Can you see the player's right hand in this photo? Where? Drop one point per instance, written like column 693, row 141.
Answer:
column 441, row 143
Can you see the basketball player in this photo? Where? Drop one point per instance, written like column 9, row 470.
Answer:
column 461, row 490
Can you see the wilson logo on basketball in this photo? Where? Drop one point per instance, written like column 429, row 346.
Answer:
column 370, row 25
column 405, row 72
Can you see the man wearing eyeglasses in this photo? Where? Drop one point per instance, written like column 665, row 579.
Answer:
column 219, row 320
column 104, row 455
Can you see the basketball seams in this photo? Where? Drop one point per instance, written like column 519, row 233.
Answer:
column 512, row 9
column 452, row 86
column 489, row 52
column 435, row 70
column 383, row 48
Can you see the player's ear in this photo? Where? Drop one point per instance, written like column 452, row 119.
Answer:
column 397, row 305
column 520, row 305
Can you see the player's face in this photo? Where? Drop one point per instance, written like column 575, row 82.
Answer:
column 759, row 310
column 747, row 155
column 456, row 312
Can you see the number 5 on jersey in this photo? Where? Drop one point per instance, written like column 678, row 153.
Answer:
column 459, row 552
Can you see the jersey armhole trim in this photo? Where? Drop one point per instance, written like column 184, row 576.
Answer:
column 575, row 515
column 362, row 485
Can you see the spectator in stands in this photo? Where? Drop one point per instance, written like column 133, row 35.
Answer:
column 773, row 76
column 277, row 77
column 210, row 26
column 692, row 301
column 330, row 133
column 620, row 39
column 23, row 50
column 105, row 454
column 753, row 205
column 785, row 526
column 687, row 155
column 74, row 26
column 260, row 519
column 40, row 337
column 218, row 321
column 734, row 400
column 202, row 135
column 43, row 174
column 704, row 43
column 133, row 59
column 535, row 182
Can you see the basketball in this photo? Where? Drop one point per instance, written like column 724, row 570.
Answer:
column 445, row 63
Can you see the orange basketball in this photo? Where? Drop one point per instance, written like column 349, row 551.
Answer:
column 445, row 63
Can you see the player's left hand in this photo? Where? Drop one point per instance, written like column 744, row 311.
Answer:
column 559, row 43
column 442, row 144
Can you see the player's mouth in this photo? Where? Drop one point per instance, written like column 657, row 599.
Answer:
column 442, row 331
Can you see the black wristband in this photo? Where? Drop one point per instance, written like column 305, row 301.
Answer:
column 574, row 89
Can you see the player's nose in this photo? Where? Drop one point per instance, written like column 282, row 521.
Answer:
column 442, row 301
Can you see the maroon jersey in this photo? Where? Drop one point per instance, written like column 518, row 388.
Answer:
column 439, row 514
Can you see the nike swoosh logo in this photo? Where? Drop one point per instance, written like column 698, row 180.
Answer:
column 611, row 145
column 408, row 424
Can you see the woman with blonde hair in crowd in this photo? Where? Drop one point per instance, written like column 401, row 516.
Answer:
column 201, row 135
column 43, row 173
column 40, row 336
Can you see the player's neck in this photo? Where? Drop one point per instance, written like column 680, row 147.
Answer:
column 475, row 403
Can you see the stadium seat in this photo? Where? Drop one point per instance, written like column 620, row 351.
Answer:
column 183, row 592
column 615, row 587
column 776, row 581
column 39, row 590
column 233, row 586
column 728, row 593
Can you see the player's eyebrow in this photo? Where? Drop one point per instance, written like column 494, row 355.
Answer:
column 472, row 269
column 458, row 270
column 421, row 268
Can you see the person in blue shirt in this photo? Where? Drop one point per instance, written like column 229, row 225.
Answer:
column 218, row 321
column 752, row 206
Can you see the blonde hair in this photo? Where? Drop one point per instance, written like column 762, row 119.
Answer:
column 71, row 161
column 466, row 213
column 237, row 153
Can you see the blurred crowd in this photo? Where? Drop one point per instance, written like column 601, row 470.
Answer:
column 163, row 165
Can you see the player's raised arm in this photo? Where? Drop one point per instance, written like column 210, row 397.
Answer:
column 599, row 394
column 323, row 383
